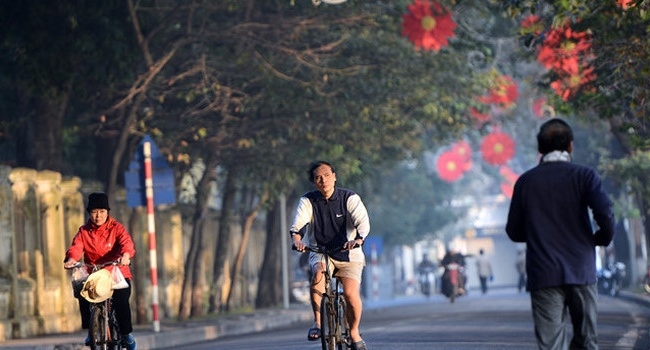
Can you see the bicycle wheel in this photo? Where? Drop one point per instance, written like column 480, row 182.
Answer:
column 97, row 328
column 327, row 324
column 114, row 336
column 345, row 342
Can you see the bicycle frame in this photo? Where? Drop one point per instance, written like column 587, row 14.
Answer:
column 335, row 330
column 104, row 330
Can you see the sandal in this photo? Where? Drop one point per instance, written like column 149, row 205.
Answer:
column 313, row 334
column 360, row 345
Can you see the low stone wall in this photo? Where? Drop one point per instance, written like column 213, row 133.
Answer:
column 40, row 212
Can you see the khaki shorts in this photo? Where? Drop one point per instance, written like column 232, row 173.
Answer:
column 350, row 269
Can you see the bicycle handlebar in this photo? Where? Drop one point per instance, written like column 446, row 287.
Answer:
column 97, row 266
column 324, row 250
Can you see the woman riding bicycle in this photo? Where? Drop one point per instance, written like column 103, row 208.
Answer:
column 103, row 239
column 337, row 218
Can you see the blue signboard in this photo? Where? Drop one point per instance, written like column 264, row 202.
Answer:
column 162, row 178
column 370, row 242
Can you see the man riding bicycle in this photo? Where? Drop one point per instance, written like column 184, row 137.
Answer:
column 337, row 218
column 102, row 239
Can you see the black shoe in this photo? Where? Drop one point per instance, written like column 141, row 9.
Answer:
column 360, row 345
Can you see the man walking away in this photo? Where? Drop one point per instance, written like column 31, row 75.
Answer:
column 549, row 211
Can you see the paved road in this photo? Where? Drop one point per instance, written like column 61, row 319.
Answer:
column 500, row 320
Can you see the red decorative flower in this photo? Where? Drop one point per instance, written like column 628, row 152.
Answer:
column 478, row 116
column 509, row 179
column 568, row 86
column 463, row 149
column 428, row 25
column 564, row 50
column 531, row 25
column 497, row 148
column 539, row 107
column 507, row 189
column 508, row 175
column 625, row 4
column 450, row 166
column 504, row 94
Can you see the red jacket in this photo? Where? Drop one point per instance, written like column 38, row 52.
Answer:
column 98, row 245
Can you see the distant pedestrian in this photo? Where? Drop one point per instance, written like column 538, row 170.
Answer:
column 550, row 211
column 484, row 270
column 520, row 265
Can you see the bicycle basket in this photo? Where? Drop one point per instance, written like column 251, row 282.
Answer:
column 78, row 276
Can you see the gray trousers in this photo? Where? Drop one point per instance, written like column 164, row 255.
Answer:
column 552, row 305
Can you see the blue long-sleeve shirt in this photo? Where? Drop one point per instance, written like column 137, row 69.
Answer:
column 549, row 211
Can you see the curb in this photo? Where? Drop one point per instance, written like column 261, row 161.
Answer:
column 243, row 324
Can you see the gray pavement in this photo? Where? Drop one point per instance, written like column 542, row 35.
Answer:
column 173, row 333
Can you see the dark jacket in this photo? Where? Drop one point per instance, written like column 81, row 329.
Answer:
column 549, row 211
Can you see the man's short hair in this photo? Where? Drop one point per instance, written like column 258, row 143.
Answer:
column 554, row 135
column 314, row 166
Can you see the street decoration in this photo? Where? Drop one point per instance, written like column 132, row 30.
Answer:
column 479, row 117
column 567, row 53
column 497, row 148
column 455, row 162
column 568, row 85
column 564, row 49
column 428, row 25
column 541, row 108
column 503, row 94
column 463, row 149
column 532, row 24
column 625, row 4
column 450, row 166
column 509, row 177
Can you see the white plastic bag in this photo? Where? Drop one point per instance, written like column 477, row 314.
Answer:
column 78, row 277
column 118, row 279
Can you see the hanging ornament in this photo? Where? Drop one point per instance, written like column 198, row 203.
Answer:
column 450, row 166
column 509, row 179
column 428, row 25
column 503, row 94
column 480, row 118
column 463, row 149
column 497, row 148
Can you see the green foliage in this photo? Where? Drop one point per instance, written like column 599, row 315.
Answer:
column 632, row 171
column 407, row 205
column 620, row 57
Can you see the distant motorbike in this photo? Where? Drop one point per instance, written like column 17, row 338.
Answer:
column 610, row 278
column 426, row 279
column 453, row 281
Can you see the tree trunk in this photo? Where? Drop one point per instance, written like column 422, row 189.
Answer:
column 138, row 284
column 193, row 263
column 42, row 146
column 269, row 291
column 247, row 224
column 220, row 274
column 121, row 146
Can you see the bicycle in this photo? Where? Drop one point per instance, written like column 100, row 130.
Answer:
column 104, row 331
column 334, row 326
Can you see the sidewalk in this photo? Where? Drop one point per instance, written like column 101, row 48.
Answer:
column 184, row 333
column 174, row 333
column 177, row 333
